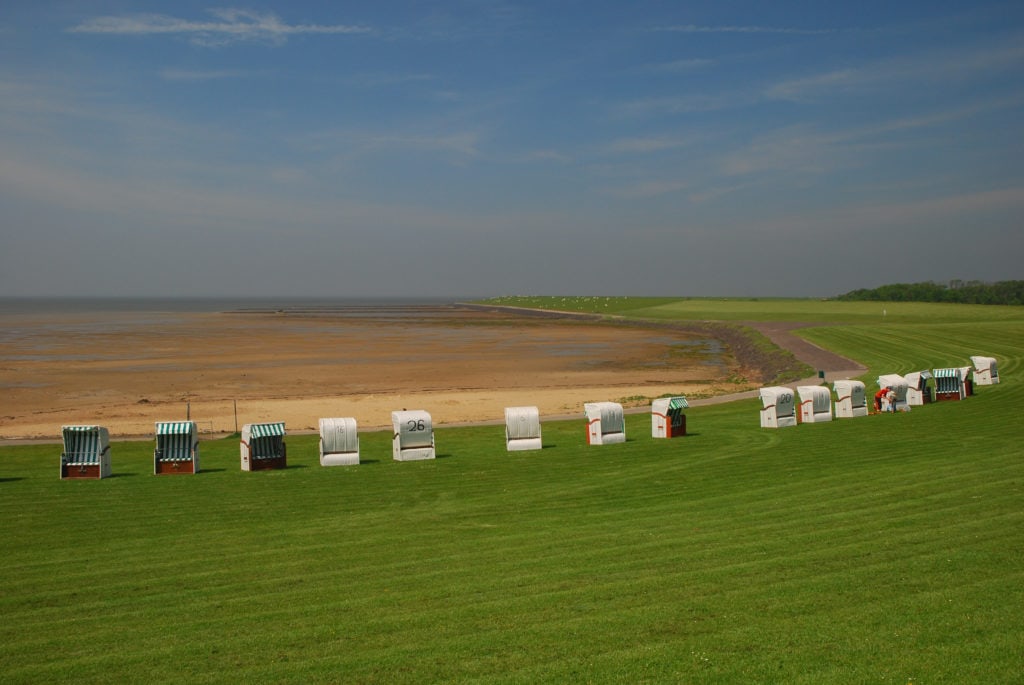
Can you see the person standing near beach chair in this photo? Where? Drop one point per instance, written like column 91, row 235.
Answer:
column 879, row 396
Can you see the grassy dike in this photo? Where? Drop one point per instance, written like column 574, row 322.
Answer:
column 885, row 549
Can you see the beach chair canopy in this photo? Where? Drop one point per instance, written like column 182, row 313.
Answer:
column 522, row 429
column 854, row 390
column 606, row 423
column 610, row 415
column 339, row 435
column 413, row 437
column 175, row 440
column 84, row 445
column 266, row 440
column 414, row 429
column 522, row 423
column 947, row 380
column 780, row 398
column 983, row 363
column 818, row 396
column 669, row 405
column 916, row 380
column 778, row 407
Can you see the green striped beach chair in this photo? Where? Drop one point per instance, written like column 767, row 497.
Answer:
column 263, row 447
column 86, row 452
column 667, row 417
column 177, row 448
column 949, row 384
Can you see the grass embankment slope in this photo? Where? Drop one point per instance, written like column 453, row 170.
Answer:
column 883, row 549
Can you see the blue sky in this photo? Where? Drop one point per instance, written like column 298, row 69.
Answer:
column 476, row 147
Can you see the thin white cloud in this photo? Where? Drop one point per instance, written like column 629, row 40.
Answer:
column 542, row 156
column 461, row 143
column 348, row 142
column 788, row 30
column 651, row 188
column 685, row 104
column 645, row 145
column 382, row 80
column 681, row 65
column 195, row 75
column 942, row 67
column 229, row 26
column 807, row 150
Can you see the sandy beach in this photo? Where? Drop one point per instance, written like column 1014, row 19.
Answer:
column 126, row 370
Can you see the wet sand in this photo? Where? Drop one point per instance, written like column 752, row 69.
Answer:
column 126, row 370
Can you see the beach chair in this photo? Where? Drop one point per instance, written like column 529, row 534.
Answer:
column 985, row 370
column 919, row 393
column 522, row 429
column 86, row 452
column 606, row 423
column 413, row 437
column 778, row 407
column 339, row 442
column 177, row 448
column 949, row 385
column 263, row 447
column 899, row 386
column 851, row 399
column 667, row 417
column 815, row 403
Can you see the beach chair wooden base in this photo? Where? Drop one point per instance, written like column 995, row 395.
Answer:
column 947, row 396
column 677, row 428
column 268, row 464
column 82, row 471
column 165, row 468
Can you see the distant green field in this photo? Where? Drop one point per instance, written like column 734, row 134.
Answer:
column 884, row 549
column 771, row 309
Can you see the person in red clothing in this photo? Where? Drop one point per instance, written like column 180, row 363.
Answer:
column 878, row 399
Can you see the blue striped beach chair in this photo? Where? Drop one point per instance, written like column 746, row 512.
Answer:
column 86, row 452
column 177, row 448
column 263, row 447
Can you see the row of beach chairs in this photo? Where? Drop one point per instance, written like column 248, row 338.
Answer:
column 781, row 409
column 262, row 446
column 87, row 447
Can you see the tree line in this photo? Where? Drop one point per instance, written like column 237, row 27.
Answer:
column 963, row 292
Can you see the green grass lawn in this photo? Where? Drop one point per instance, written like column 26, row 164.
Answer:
column 883, row 549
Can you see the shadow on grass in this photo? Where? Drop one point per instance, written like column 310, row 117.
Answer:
column 10, row 480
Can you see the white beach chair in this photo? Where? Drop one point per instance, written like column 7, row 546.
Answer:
column 339, row 442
